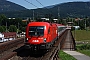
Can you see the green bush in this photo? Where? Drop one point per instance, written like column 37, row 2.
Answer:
column 72, row 28
column 83, row 47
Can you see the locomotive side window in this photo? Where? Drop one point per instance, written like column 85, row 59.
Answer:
column 36, row 30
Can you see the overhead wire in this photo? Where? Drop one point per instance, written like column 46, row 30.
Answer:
column 49, row 11
column 35, row 6
column 44, row 7
column 40, row 3
column 30, row 3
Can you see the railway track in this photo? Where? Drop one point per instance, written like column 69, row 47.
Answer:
column 51, row 54
column 6, row 48
column 69, row 43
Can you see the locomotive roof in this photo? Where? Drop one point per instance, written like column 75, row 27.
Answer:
column 43, row 24
column 38, row 23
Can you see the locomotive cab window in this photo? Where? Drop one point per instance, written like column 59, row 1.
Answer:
column 36, row 30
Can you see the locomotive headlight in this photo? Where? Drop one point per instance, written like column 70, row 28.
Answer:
column 27, row 39
column 44, row 39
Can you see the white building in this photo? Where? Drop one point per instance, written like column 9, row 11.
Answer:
column 76, row 27
column 1, row 37
column 6, row 36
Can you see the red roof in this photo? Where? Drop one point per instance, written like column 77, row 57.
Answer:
column 60, row 25
column 8, row 34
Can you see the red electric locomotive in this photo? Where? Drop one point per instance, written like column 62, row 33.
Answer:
column 40, row 35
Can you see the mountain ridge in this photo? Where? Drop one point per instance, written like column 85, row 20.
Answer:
column 10, row 6
column 73, row 8
column 67, row 9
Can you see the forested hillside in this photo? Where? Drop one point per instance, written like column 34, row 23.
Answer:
column 69, row 9
column 6, row 6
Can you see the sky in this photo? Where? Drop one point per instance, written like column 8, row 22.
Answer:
column 33, row 4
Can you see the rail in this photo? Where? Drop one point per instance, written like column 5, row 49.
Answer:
column 52, row 54
column 4, row 47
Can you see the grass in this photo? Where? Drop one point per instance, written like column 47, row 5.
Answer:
column 86, row 52
column 81, row 35
column 84, row 36
column 65, row 56
column 84, row 48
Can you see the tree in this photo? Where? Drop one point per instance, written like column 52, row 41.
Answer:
column 4, row 27
column 2, row 18
column 23, row 29
column 1, row 29
column 12, row 28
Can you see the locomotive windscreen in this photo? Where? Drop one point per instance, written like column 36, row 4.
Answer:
column 36, row 30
